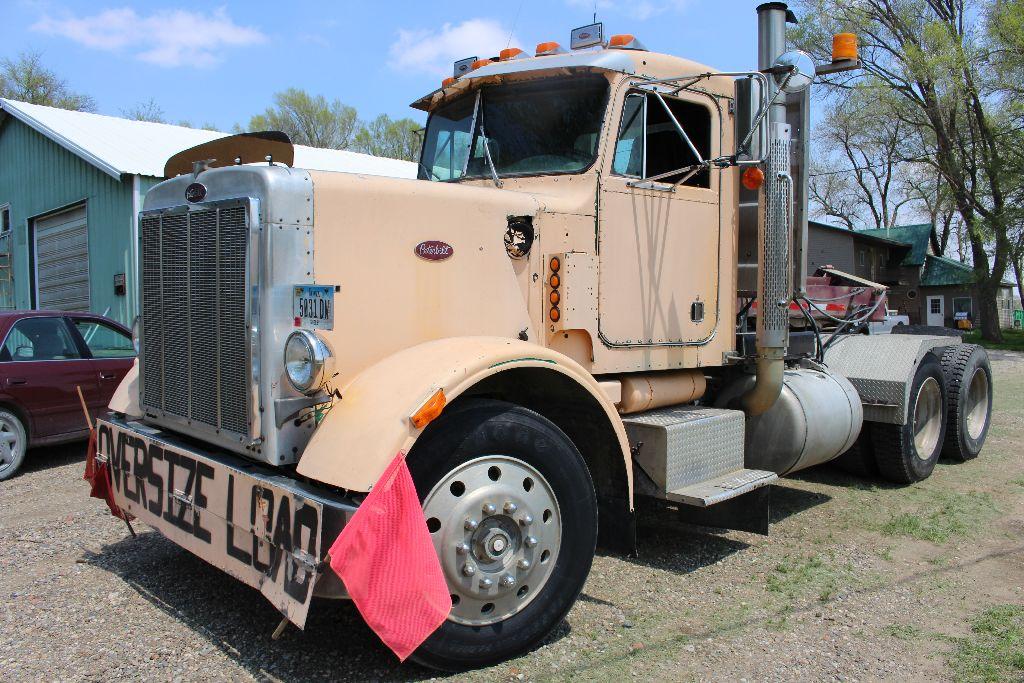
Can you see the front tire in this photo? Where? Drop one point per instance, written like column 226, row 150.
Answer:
column 13, row 443
column 907, row 453
column 512, row 510
column 969, row 383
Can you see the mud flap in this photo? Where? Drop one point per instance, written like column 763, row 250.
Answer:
column 749, row 512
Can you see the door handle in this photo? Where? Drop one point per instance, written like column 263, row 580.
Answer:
column 108, row 375
column 15, row 381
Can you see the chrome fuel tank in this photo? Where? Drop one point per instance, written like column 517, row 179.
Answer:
column 816, row 418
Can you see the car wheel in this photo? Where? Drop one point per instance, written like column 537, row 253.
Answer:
column 907, row 453
column 13, row 442
column 969, row 384
column 512, row 512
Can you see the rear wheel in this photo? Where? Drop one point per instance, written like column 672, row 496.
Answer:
column 13, row 442
column 969, row 385
column 860, row 459
column 513, row 515
column 908, row 453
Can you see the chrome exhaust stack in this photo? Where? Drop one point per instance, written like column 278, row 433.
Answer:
column 775, row 220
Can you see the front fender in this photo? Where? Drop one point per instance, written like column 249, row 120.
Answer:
column 370, row 423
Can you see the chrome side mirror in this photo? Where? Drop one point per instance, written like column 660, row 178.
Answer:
column 794, row 71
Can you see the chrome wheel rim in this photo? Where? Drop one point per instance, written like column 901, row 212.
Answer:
column 10, row 444
column 927, row 418
column 977, row 404
column 497, row 528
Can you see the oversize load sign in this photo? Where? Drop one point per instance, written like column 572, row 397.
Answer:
column 264, row 535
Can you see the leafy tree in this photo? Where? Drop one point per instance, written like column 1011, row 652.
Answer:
column 385, row 137
column 926, row 65
column 26, row 79
column 309, row 120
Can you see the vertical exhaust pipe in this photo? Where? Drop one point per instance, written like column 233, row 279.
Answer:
column 775, row 227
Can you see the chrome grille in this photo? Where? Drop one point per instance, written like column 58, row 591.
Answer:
column 194, row 355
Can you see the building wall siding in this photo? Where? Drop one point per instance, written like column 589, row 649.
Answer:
column 37, row 177
column 829, row 247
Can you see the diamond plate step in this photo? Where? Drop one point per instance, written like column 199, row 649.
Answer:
column 692, row 454
column 722, row 488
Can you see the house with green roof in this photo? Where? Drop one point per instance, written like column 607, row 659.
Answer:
column 927, row 287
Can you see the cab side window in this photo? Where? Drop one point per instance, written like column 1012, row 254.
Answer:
column 39, row 339
column 649, row 143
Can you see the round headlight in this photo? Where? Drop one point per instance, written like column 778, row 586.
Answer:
column 305, row 360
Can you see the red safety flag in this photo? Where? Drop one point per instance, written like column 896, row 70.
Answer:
column 98, row 475
column 389, row 565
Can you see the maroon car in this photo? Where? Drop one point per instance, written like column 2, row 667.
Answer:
column 43, row 357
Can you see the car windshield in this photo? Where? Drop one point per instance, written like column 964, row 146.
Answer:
column 541, row 127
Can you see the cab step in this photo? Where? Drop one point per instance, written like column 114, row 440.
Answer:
column 692, row 454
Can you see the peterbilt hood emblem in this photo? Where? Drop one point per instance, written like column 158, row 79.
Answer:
column 434, row 250
column 196, row 192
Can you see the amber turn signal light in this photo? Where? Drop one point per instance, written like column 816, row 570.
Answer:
column 554, row 314
column 430, row 409
column 844, row 46
column 752, row 178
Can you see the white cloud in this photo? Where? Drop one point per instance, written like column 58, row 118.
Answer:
column 641, row 10
column 165, row 37
column 434, row 51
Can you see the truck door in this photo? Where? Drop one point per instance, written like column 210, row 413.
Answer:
column 659, row 242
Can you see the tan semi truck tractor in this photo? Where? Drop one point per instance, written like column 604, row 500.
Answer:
column 595, row 292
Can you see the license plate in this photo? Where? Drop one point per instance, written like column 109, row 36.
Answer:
column 250, row 526
column 313, row 306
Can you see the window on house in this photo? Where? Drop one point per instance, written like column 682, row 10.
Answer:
column 935, row 306
column 5, row 218
column 649, row 143
column 862, row 257
column 962, row 304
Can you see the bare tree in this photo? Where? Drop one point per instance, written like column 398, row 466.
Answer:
column 145, row 111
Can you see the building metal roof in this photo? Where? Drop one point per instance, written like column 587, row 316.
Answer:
column 916, row 236
column 120, row 146
column 859, row 234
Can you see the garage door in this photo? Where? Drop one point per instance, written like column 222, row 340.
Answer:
column 61, row 249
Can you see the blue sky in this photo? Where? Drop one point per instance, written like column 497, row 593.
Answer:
column 221, row 63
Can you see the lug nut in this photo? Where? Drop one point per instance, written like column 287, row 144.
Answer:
column 526, row 520
column 489, row 509
column 508, row 581
column 470, row 524
column 523, row 563
column 510, row 508
column 461, row 548
column 530, row 541
column 486, row 583
column 468, row 570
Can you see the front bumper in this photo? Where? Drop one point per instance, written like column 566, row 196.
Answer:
column 268, row 530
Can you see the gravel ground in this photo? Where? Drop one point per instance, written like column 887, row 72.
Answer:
column 857, row 581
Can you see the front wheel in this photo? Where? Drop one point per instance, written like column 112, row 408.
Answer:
column 512, row 512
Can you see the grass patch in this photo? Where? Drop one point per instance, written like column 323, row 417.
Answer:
column 995, row 650
column 902, row 631
column 1013, row 340
column 797, row 575
column 942, row 516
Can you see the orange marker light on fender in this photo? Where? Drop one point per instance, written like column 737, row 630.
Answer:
column 752, row 178
column 430, row 409
column 844, row 46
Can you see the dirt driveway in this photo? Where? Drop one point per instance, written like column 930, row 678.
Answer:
column 858, row 580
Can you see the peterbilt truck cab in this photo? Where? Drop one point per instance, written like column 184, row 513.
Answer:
column 593, row 292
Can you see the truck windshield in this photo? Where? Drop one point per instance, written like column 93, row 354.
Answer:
column 549, row 126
